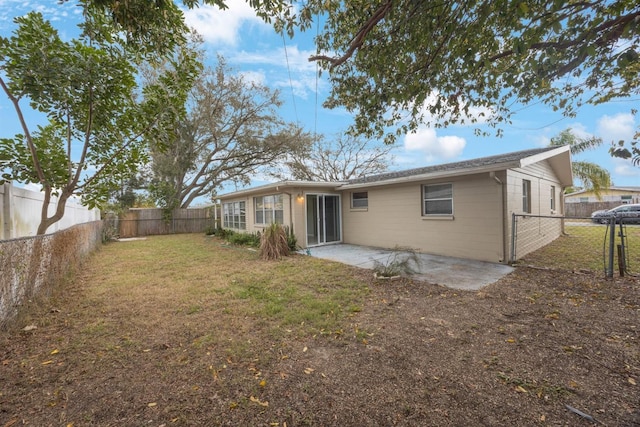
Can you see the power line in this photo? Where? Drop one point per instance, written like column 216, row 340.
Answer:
column 315, row 121
column 295, row 109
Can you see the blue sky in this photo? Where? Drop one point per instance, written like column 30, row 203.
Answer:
column 252, row 47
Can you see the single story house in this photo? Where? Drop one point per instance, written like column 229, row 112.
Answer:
column 460, row 209
column 619, row 195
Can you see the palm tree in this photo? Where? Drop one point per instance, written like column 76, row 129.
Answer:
column 592, row 176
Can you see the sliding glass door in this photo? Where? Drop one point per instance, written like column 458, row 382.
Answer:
column 323, row 219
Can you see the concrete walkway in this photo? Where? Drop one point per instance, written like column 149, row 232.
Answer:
column 454, row 273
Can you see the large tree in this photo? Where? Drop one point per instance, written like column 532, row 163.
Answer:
column 590, row 175
column 232, row 132
column 402, row 63
column 345, row 158
column 97, row 113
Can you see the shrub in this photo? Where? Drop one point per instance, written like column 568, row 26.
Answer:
column 245, row 239
column 274, row 243
column 292, row 240
column 398, row 263
column 224, row 233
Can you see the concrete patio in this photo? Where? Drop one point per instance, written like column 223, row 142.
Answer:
column 454, row 273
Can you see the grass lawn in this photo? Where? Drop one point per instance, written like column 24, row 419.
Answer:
column 586, row 248
column 183, row 330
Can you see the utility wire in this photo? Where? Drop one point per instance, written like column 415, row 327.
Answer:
column 295, row 109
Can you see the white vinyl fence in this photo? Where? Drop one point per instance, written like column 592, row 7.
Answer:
column 20, row 212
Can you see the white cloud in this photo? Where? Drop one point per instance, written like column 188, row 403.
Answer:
column 625, row 168
column 543, row 138
column 294, row 69
column 297, row 59
column 580, row 131
column 540, row 140
column 257, row 77
column 616, row 128
column 222, row 26
column 434, row 147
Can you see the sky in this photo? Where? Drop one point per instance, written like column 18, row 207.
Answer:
column 252, row 47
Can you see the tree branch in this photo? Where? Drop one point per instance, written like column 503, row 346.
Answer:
column 358, row 40
column 32, row 149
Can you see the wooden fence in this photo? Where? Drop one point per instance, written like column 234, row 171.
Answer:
column 147, row 222
column 585, row 209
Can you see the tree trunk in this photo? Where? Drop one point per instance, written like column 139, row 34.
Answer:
column 45, row 220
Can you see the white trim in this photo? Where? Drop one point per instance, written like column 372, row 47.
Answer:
column 341, row 219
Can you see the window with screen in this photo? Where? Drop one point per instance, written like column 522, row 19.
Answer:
column 437, row 199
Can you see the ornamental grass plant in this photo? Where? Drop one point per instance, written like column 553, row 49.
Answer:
column 274, row 243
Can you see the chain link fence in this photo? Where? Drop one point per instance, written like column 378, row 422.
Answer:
column 576, row 243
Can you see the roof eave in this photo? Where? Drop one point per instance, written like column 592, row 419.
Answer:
column 558, row 158
column 434, row 175
column 278, row 187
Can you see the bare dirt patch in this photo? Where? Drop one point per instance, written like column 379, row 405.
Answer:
column 183, row 331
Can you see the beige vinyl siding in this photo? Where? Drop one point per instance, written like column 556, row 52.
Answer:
column 534, row 233
column 394, row 217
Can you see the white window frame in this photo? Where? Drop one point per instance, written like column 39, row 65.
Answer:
column 234, row 215
column 426, row 200
column 360, row 202
column 268, row 209
column 526, row 196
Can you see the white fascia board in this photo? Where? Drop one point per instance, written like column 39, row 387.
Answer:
column 433, row 175
column 277, row 187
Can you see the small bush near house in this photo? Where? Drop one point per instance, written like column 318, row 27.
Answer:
column 292, row 240
column 211, row 230
column 274, row 243
column 398, row 263
column 221, row 233
column 245, row 239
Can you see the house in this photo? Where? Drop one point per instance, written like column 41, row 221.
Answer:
column 461, row 209
column 619, row 195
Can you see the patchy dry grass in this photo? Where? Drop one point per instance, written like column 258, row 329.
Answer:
column 586, row 248
column 185, row 331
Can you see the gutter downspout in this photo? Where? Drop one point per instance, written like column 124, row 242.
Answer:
column 290, row 210
column 503, row 191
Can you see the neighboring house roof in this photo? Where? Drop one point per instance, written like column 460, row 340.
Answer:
column 558, row 157
column 484, row 164
column 628, row 189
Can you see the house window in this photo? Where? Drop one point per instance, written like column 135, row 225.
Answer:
column 234, row 215
column 526, row 196
column 584, row 199
column 360, row 200
column 437, row 199
column 626, row 199
column 553, row 197
column 269, row 209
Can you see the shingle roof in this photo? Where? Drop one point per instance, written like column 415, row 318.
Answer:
column 467, row 164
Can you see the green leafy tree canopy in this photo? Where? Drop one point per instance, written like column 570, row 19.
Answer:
column 397, row 64
column 97, row 113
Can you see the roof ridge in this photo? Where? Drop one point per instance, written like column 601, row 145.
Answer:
column 479, row 161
